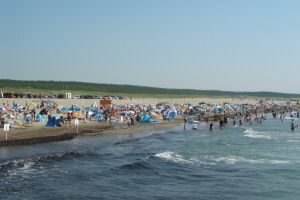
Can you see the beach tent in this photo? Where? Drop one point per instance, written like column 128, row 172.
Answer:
column 171, row 115
column 40, row 118
column 74, row 109
column 64, row 109
column 98, row 117
column 147, row 118
column 53, row 121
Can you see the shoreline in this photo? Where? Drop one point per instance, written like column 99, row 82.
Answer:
column 36, row 135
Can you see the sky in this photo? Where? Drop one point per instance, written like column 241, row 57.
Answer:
column 232, row 45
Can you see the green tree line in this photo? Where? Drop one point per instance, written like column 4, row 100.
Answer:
column 128, row 89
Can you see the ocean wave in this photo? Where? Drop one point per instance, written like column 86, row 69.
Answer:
column 290, row 118
column 177, row 158
column 250, row 133
column 171, row 156
column 127, row 141
column 292, row 141
column 138, row 165
column 239, row 159
column 25, row 164
column 209, row 161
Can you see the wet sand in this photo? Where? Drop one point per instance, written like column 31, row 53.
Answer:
column 40, row 134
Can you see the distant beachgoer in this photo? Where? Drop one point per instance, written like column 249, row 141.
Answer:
column 132, row 121
column 292, row 125
column 33, row 115
column 60, row 122
column 69, row 117
column 240, row 122
column 137, row 118
column 281, row 117
column 225, row 120
column 2, row 122
column 211, row 126
column 221, row 124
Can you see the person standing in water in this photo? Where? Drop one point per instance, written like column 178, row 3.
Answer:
column 185, row 122
column 292, row 125
column 211, row 126
column 240, row 123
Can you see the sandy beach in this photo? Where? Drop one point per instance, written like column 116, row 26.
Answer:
column 41, row 134
column 37, row 132
column 153, row 101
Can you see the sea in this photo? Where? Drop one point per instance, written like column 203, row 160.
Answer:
column 258, row 161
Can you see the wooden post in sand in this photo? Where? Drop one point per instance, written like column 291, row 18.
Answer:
column 6, row 129
column 76, row 124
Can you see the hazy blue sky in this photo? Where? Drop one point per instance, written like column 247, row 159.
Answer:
column 235, row 45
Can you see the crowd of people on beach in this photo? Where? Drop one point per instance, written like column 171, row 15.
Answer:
column 48, row 110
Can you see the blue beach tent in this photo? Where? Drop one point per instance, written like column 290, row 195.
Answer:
column 148, row 118
column 40, row 118
column 53, row 121
column 171, row 115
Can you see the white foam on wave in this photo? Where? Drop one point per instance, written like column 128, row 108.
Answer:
column 232, row 159
column 292, row 141
column 209, row 161
column 290, row 118
column 176, row 158
column 239, row 159
column 171, row 156
column 255, row 136
column 21, row 168
column 196, row 161
column 279, row 162
column 250, row 133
